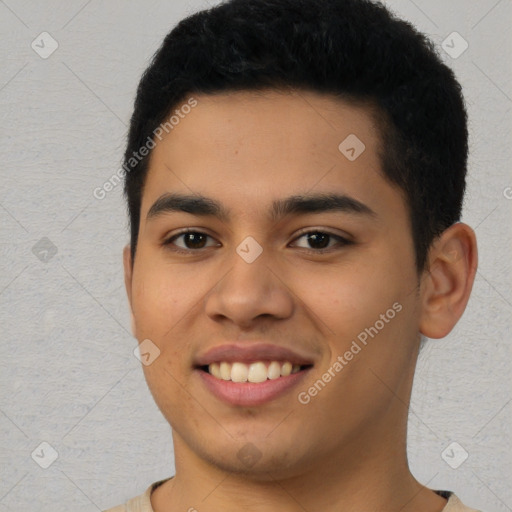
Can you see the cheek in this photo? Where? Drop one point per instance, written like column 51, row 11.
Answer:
column 161, row 297
column 349, row 298
column 370, row 300
column 163, row 300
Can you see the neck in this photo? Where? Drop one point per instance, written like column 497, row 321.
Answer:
column 370, row 472
column 366, row 470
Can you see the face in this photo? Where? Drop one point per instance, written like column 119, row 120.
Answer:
column 268, row 275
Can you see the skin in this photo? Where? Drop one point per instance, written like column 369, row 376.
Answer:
column 346, row 448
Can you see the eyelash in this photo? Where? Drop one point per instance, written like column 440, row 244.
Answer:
column 341, row 241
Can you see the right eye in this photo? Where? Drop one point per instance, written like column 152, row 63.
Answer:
column 193, row 241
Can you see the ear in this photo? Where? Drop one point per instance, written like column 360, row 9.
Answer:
column 447, row 280
column 128, row 273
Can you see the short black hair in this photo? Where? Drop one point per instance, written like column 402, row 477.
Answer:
column 356, row 50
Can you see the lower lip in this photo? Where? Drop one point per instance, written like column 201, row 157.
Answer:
column 250, row 394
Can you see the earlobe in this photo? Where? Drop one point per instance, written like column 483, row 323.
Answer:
column 128, row 272
column 127, row 264
column 447, row 280
column 133, row 325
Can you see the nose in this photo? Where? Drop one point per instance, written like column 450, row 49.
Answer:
column 250, row 291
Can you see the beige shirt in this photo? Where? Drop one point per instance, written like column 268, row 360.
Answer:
column 142, row 503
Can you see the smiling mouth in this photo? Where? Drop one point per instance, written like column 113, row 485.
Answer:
column 255, row 372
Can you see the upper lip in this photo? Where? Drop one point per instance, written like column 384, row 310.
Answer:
column 249, row 353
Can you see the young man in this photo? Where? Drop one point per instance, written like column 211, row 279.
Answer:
column 295, row 172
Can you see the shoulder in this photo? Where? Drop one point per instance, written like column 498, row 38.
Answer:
column 141, row 503
column 454, row 504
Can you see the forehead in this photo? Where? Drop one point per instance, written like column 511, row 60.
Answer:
column 276, row 123
column 270, row 144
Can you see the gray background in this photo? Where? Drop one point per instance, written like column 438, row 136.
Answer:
column 68, row 374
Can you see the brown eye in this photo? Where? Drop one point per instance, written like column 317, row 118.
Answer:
column 318, row 241
column 191, row 241
column 194, row 240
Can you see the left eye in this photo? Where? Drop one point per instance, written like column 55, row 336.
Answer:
column 321, row 240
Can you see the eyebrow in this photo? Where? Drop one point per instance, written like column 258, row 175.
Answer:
column 297, row 204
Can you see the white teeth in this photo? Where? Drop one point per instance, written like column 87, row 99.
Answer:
column 274, row 370
column 225, row 371
column 286, row 369
column 255, row 372
column 239, row 372
column 215, row 370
